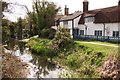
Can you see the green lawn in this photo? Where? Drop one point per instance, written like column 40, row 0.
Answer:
column 100, row 42
column 99, row 48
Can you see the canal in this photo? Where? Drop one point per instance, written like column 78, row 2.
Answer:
column 39, row 66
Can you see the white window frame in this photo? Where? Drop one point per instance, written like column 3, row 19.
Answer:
column 98, row 33
column 116, row 34
column 81, row 32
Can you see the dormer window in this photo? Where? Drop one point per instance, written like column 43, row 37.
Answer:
column 89, row 19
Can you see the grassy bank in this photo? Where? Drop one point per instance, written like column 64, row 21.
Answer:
column 84, row 59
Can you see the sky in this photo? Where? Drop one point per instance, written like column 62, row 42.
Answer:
column 73, row 5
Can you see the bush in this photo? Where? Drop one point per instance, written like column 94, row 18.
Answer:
column 96, row 58
column 87, row 71
column 48, row 33
column 32, row 41
column 62, row 38
column 76, row 60
column 52, row 33
column 41, row 50
column 45, row 33
column 71, row 60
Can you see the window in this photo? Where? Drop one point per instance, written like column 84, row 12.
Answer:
column 81, row 32
column 68, row 30
column 75, row 31
column 89, row 19
column 98, row 33
column 65, row 22
column 115, row 33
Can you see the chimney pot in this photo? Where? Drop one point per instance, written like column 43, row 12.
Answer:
column 85, row 1
column 65, row 6
column 66, row 10
column 119, row 3
column 85, row 5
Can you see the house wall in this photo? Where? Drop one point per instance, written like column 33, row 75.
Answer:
column 109, row 28
column 81, row 27
column 76, row 20
column 69, row 26
column 91, row 27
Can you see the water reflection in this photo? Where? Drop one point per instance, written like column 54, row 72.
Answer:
column 15, row 45
column 43, row 66
column 11, row 44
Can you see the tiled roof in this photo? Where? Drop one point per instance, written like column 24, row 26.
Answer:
column 70, row 16
column 58, row 17
column 104, row 15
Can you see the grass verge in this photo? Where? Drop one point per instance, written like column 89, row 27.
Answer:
column 83, row 58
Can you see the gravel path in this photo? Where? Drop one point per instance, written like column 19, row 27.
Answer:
column 101, row 44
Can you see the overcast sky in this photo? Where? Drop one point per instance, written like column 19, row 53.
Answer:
column 73, row 5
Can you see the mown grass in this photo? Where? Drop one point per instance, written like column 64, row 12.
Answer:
column 99, row 48
column 100, row 42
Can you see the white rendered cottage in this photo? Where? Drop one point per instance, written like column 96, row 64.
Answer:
column 99, row 23
column 103, row 22
column 70, row 21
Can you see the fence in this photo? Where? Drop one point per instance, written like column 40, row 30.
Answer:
column 99, row 38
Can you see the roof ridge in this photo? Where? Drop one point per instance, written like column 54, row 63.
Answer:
column 103, row 8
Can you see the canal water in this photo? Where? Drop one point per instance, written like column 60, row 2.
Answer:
column 39, row 66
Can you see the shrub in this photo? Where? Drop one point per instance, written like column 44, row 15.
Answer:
column 32, row 41
column 96, row 58
column 87, row 71
column 45, row 33
column 71, row 60
column 48, row 33
column 43, row 42
column 52, row 33
column 42, row 50
column 76, row 60
column 62, row 38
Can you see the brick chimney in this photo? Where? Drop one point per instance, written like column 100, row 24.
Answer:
column 85, row 5
column 66, row 12
column 118, row 2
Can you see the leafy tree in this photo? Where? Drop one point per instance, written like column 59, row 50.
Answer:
column 19, row 32
column 12, row 29
column 5, row 22
column 4, row 7
column 5, row 30
column 45, row 14
column 5, row 34
column 32, row 23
